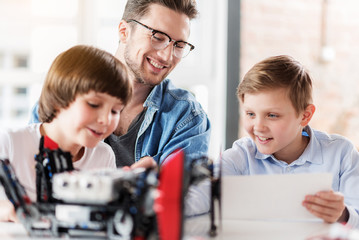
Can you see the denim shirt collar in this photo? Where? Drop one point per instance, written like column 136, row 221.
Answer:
column 312, row 153
column 154, row 99
column 152, row 103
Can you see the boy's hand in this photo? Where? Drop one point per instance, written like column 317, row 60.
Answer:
column 327, row 205
column 7, row 212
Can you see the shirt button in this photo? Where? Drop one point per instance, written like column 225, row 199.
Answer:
column 287, row 169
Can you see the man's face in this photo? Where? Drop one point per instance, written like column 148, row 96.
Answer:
column 146, row 64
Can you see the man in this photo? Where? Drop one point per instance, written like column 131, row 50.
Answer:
column 159, row 118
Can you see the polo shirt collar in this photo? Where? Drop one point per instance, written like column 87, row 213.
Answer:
column 312, row 153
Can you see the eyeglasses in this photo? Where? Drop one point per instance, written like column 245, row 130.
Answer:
column 160, row 40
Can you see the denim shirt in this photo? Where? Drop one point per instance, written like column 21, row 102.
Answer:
column 173, row 120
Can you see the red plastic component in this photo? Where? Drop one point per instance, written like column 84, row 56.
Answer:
column 169, row 204
column 50, row 144
column 138, row 238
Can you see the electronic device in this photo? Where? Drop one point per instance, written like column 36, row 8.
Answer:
column 106, row 203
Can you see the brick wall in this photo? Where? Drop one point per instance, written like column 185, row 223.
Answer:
column 301, row 28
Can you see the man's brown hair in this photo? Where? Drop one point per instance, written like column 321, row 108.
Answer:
column 79, row 70
column 135, row 9
column 279, row 72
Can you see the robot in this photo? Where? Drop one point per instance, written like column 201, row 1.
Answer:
column 106, row 203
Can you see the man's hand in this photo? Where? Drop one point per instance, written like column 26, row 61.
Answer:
column 145, row 162
column 327, row 205
column 7, row 212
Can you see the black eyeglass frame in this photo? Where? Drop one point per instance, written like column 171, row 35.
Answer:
column 154, row 31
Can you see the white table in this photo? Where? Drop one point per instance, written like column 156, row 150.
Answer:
column 12, row 231
column 197, row 228
column 258, row 229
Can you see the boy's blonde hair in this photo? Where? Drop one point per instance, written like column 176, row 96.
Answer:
column 279, row 72
column 79, row 70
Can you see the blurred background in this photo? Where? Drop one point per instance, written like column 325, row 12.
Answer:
column 230, row 36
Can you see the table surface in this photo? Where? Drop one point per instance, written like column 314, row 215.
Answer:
column 259, row 229
column 197, row 228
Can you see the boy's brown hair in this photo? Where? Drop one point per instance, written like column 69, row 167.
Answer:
column 279, row 72
column 135, row 9
column 79, row 70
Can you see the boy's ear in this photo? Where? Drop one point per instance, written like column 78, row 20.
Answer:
column 307, row 115
column 123, row 31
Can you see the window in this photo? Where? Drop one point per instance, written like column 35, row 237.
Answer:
column 20, row 61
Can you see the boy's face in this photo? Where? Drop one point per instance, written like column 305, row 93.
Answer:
column 272, row 122
column 90, row 118
column 146, row 64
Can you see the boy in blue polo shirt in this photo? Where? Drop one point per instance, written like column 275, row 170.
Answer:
column 276, row 98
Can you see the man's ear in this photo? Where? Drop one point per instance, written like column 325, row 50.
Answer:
column 307, row 115
column 123, row 31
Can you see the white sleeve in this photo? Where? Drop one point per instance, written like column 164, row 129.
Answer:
column 112, row 160
column 5, row 144
column 197, row 200
column 353, row 220
column 108, row 156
